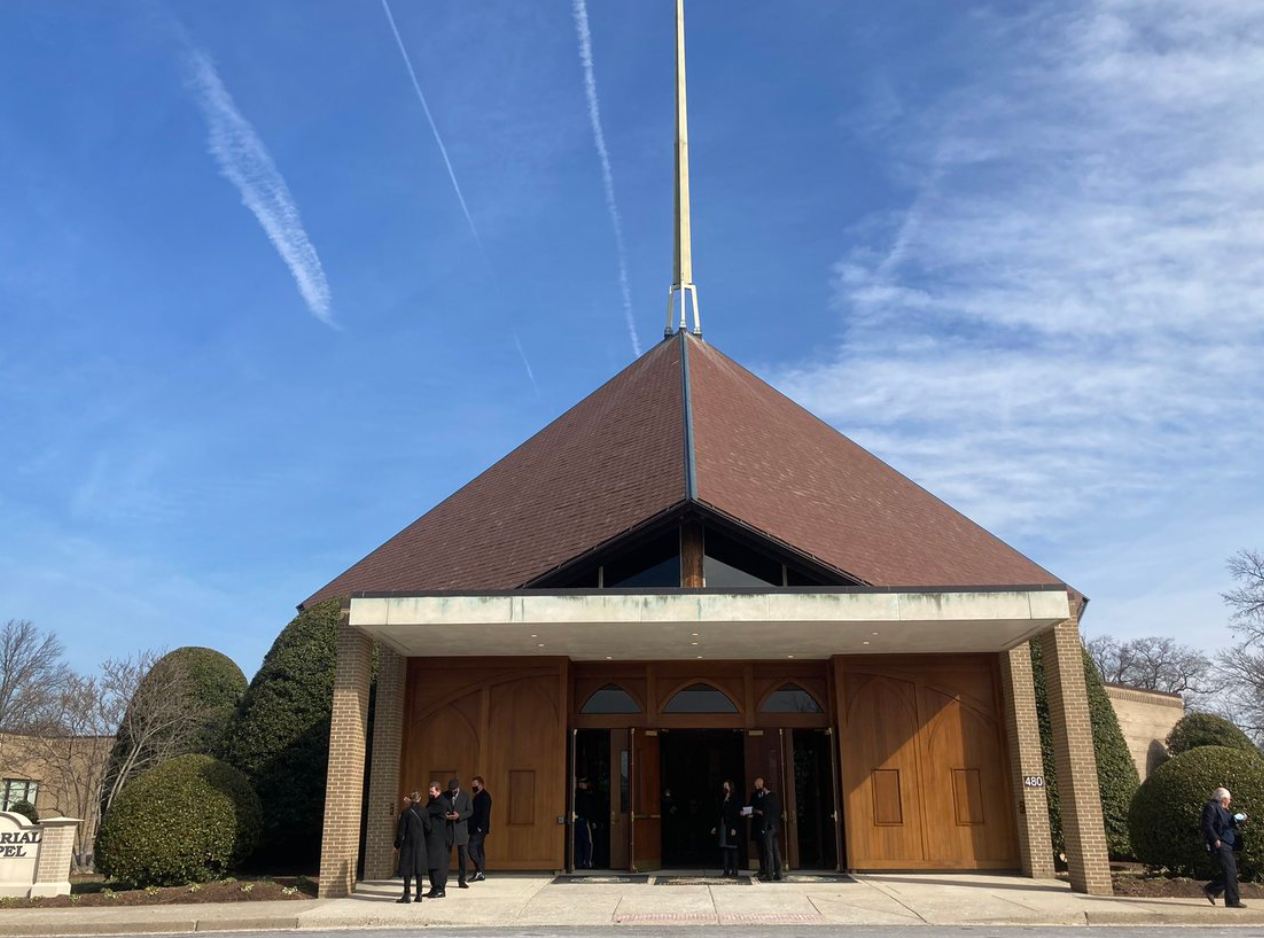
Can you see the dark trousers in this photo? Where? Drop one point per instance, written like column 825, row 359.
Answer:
column 462, row 861
column 772, row 853
column 477, row 855
column 1227, row 881
column 439, row 876
column 583, row 845
column 759, row 852
column 407, row 884
column 729, row 856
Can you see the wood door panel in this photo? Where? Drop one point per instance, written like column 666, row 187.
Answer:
column 924, row 764
column 647, row 819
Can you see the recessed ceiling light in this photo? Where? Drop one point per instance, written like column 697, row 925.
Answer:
column 700, row 656
column 533, row 635
column 789, row 656
column 873, row 633
column 695, row 634
column 541, row 645
column 864, row 643
column 693, row 643
column 610, row 657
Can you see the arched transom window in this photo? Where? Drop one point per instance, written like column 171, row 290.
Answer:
column 790, row 698
column 611, row 699
column 700, row 698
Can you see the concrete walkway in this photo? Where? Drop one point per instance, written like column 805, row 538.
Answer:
column 934, row 899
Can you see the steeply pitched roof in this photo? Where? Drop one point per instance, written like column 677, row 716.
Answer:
column 686, row 423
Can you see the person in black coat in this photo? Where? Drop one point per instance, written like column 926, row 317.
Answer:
column 410, row 841
column 768, row 822
column 438, row 847
column 725, row 830
column 458, row 815
column 1220, row 830
column 480, row 826
column 757, row 823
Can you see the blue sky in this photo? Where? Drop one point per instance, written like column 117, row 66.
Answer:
column 248, row 330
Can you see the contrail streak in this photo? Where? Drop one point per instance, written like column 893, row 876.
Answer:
column 245, row 162
column 456, row 186
column 580, row 9
column 526, row 364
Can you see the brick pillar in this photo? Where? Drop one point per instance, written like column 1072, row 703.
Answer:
column 56, row 853
column 384, row 781
column 1022, row 732
column 344, row 790
column 1078, row 794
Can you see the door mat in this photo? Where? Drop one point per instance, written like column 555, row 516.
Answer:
column 573, row 879
column 701, row 881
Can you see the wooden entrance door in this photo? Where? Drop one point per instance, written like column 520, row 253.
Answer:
column 765, row 759
column 647, row 819
column 620, row 795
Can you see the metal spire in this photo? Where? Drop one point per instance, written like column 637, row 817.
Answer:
column 682, row 266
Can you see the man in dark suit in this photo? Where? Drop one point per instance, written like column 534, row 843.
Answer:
column 480, row 826
column 1220, row 830
column 768, row 822
column 438, row 847
column 459, row 812
column 756, row 804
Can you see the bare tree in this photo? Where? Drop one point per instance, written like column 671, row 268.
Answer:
column 1243, row 664
column 1247, row 598
column 31, row 674
column 76, row 753
column 1155, row 663
column 159, row 719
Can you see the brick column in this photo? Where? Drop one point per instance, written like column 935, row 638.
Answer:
column 1078, row 793
column 56, row 853
column 384, row 780
column 1022, row 732
column 344, row 789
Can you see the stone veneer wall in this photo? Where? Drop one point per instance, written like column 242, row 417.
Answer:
column 1146, row 718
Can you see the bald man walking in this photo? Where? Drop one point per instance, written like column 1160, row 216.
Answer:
column 1220, row 830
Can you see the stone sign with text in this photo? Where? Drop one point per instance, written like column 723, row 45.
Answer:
column 35, row 857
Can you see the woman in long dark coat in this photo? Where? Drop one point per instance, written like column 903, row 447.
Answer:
column 726, row 828
column 410, row 841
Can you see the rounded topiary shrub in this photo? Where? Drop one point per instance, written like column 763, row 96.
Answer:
column 1165, row 820
column 1205, row 729
column 189, row 819
column 26, row 809
column 280, row 734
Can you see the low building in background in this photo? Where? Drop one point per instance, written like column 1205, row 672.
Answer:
column 1146, row 717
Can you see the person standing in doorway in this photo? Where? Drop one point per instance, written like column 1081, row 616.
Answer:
column 756, row 804
column 768, row 821
column 1220, row 830
column 480, row 827
column 410, row 841
column 584, row 808
column 725, row 830
column 438, row 847
column 458, row 815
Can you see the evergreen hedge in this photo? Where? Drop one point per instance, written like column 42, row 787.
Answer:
column 1204, row 729
column 279, row 736
column 189, row 819
column 1165, row 818
column 217, row 686
column 26, row 809
column 1116, row 773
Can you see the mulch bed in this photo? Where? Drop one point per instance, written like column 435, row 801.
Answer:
column 1172, row 887
column 95, row 892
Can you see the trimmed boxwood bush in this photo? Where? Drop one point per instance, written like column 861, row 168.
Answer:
column 1116, row 772
column 26, row 809
column 1165, row 819
column 1204, row 729
column 189, row 819
column 216, row 688
column 279, row 736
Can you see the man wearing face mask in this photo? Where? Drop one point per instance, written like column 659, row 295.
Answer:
column 480, row 826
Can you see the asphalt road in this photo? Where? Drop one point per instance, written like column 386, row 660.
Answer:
column 779, row 931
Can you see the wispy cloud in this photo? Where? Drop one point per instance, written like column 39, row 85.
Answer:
column 580, row 9
column 1068, row 317
column 245, row 162
column 443, row 150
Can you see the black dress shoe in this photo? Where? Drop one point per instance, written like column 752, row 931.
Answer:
column 436, row 895
column 477, row 878
column 1236, row 905
column 404, row 900
column 1211, row 897
column 463, row 885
